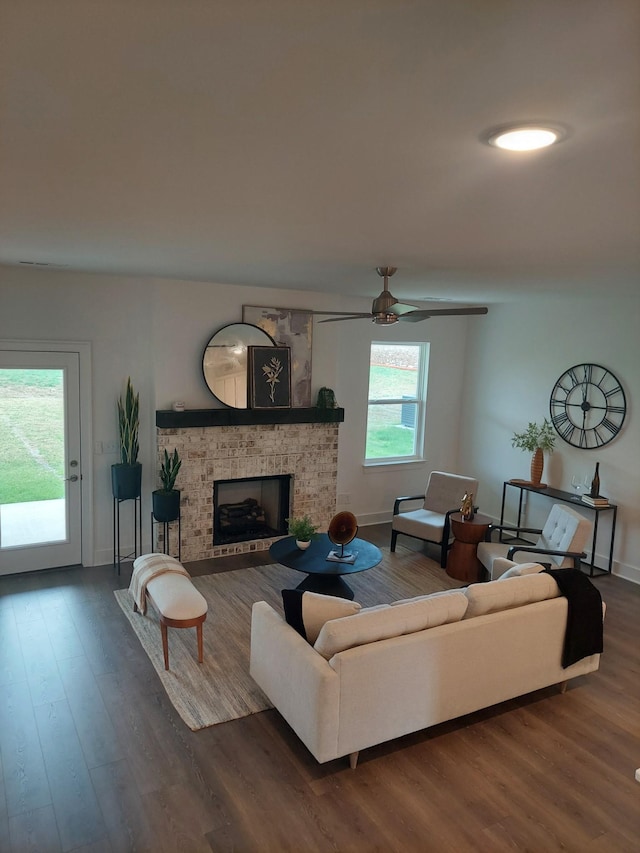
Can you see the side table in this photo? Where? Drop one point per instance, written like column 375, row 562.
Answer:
column 462, row 562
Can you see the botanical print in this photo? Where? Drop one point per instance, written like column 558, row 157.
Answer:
column 291, row 328
column 271, row 372
column 270, row 377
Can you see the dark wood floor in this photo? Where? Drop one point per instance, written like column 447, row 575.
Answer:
column 94, row 758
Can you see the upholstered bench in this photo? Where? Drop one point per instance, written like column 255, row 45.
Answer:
column 167, row 584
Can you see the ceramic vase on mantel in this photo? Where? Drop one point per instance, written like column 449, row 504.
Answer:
column 537, row 466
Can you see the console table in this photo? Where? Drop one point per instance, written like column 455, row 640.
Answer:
column 570, row 498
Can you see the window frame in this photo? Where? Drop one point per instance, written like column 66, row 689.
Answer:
column 420, row 402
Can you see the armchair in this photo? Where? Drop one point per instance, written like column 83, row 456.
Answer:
column 443, row 496
column 560, row 543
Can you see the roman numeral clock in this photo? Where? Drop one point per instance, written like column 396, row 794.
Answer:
column 588, row 406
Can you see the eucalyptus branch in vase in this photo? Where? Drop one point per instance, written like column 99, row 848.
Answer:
column 271, row 373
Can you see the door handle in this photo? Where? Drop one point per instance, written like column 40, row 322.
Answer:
column 71, row 479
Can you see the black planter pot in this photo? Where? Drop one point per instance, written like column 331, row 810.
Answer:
column 166, row 505
column 126, row 481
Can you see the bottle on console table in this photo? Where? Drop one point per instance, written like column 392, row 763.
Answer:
column 595, row 483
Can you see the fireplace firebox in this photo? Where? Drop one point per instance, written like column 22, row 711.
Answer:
column 250, row 508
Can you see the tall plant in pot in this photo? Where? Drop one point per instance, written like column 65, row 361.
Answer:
column 536, row 439
column 166, row 501
column 126, row 475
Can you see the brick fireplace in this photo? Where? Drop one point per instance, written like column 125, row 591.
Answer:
column 229, row 444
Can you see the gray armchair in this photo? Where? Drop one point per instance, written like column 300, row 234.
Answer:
column 443, row 496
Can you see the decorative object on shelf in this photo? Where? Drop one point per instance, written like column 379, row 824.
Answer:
column 126, row 475
column 326, row 399
column 178, row 406
column 588, row 406
column 466, row 507
column 166, row 501
column 269, row 377
column 536, row 439
column 303, row 530
column 594, row 492
column 343, row 528
column 289, row 327
column 225, row 362
column 599, row 501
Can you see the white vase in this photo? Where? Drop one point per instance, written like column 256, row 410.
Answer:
column 302, row 545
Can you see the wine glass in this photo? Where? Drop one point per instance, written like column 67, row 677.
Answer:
column 578, row 483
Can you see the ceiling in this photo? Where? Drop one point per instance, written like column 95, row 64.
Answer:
column 301, row 143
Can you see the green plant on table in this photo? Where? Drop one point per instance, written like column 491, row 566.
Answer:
column 303, row 529
column 536, row 436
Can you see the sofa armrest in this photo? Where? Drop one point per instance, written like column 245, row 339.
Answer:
column 296, row 679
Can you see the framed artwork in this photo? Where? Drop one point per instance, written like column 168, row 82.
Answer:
column 291, row 328
column 269, row 377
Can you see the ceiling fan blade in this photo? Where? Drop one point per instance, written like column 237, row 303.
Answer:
column 345, row 317
column 326, row 313
column 424, row 314
column 400, row 308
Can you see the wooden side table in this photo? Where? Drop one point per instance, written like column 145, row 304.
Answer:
column 462, row 562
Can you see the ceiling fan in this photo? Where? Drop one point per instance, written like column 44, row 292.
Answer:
column 386, row 309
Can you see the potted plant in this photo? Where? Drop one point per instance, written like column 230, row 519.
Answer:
column 166, row 501
column 536, row 439
column 303, row 530
column 126, row 475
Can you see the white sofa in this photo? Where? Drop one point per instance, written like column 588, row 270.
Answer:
column 388, row 671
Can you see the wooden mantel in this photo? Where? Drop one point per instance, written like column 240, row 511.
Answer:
column 168, row 419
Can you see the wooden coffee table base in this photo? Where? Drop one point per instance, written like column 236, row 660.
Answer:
column 462, row 562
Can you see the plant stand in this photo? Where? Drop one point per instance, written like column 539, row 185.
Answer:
column 166, row 529
column 137, row 530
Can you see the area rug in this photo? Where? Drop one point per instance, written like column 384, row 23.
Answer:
column 221, row 689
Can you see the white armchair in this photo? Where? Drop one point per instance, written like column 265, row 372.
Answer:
column 560, row 543
column 443, row 495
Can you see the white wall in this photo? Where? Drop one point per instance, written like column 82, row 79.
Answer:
column 488, row 376
column 514, row 359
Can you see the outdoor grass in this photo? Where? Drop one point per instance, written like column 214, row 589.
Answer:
column 32, row 428
column 386, row 436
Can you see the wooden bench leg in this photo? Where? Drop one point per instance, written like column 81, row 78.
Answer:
column 200, row 643
column 165, row 643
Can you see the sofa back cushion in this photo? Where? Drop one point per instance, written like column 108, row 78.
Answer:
column 381, row 623
column 307, row 612
column 513, row 592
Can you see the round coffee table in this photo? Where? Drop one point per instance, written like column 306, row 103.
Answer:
column 462, row 562
column 323, row 575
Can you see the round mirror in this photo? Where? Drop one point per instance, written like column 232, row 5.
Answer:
column 224, row 363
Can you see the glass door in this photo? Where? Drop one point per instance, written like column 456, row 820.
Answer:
column 40, row 476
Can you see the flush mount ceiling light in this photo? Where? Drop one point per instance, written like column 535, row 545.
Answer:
column 525, row 136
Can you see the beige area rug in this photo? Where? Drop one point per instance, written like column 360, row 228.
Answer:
column 221, row 689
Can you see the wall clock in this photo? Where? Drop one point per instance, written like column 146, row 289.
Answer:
column 587, row 406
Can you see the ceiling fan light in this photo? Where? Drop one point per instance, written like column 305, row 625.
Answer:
column 525, row 137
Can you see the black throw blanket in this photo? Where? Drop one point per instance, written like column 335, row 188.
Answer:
column 584, row 635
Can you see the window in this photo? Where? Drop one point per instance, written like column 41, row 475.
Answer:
column 397, row 402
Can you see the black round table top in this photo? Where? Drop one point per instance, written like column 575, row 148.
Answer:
column 314, row 561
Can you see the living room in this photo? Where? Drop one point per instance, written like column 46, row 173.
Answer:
column 138, row 238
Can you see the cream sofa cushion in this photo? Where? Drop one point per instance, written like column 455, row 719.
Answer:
column 307, row 611
column 505, row 594
column 384, row 622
